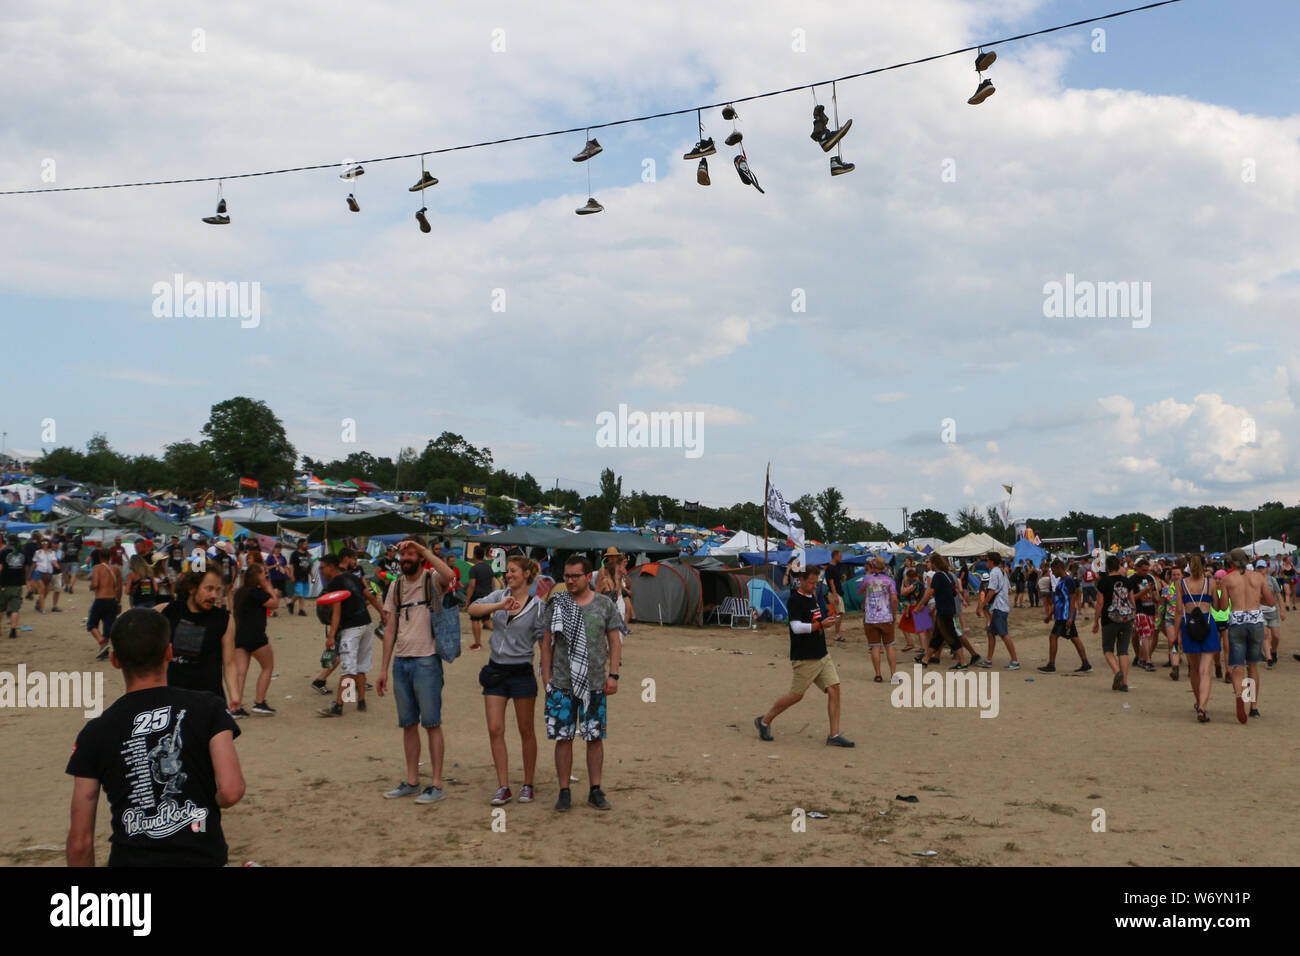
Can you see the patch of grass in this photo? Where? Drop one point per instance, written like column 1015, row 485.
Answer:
column 1057, row 808
column 997, row 824
column 1093, row 796
column 926, row 786
column 1010, row 847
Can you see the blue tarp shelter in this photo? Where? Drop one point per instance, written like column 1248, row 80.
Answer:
column 1027, row 549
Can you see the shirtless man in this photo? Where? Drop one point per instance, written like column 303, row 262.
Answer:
column 106, row 585
column 1246, row 589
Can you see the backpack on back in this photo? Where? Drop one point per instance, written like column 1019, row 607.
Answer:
column 1120, row 610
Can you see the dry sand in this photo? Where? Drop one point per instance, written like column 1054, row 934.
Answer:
column 691, row 783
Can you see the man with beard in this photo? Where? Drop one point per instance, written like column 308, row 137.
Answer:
column 582, row 647
column 203, row 634
column 417, row 670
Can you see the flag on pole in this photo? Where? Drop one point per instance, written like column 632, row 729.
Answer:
column 782, row 517
column 1240, row 529
column 248, row 482
column 1008, row 488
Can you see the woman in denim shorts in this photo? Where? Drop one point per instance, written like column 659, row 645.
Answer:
column 517, row 626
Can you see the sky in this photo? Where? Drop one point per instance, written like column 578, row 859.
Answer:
column 884, row 331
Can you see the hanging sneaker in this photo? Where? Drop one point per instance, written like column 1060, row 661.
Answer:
column 352, row 203
column 703, row 148
column 984, row 60
column 734, row 138
column 839, row 167
column 982, row 93
column 591, row 207
column 217, row 220
column 425, row 181
column 746, row 175
column 353, row 173
column 729, row 112
column 588, row 151
column 820, row 122
column 702, row 172
column 832, row 136
column 424, row 227
column 221, row 207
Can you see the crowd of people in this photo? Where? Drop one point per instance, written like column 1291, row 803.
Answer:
column 200, row 610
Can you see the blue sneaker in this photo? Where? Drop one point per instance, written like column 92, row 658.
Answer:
column 430, row 795
column 403, row 789
column 1014, row 666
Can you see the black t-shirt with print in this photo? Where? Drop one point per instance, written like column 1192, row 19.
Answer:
column 805, row 647
column 301, row 561
column 1136, row 583
column 175, row 556
column 354, row 613
column 11, row 568
column 196, row 647
column 150, row 752
column 1113, row 586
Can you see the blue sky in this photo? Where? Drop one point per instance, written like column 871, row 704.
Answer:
column 924, row 296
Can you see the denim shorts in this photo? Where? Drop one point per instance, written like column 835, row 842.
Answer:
column 511, row 681
column 417, row 688
column 1245, row 643
column 998, row 623
column 301, row 588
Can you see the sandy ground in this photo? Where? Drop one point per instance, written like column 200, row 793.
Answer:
column 691, row 783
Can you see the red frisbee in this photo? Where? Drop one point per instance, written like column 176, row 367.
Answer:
column 333, row 597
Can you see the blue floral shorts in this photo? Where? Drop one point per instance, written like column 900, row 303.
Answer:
column 565, row 715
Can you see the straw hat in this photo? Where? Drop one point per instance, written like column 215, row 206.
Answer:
column 613, row 552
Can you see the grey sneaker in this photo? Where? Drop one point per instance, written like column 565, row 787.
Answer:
column 403, row 789
column 764, row 730
column 597, row 799
column 527, row 794
column 591, row 207
column 430, row 795
column 588, row 151
column 502, row 797
column 839, row 740
column 735, row 137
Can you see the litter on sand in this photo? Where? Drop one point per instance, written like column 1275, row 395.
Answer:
column 925, row 853
column 910, row 798
column 817, row 815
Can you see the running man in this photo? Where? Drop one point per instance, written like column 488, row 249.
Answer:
column 809, row 660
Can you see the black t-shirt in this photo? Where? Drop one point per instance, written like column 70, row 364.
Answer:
column 301, row 561
column 250, row 625
column 29, row 552
column 945, row 595
column 150, row 753
column 1114, row 587
column 834, row 579
column 71, row 548
column 805, row 647
column 196, row 647
column 175, row 556
column 1135, row 584
column 353, row 613
column 481, row 576
column 11, row 568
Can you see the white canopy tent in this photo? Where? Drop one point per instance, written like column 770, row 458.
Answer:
column 974, row 545
column 744, row 541
column 1268, row 547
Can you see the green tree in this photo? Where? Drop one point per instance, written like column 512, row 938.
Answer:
column 246, row 439
column 595, row 514
column 831, row 514
column 499, row 511
column 192, row 469
column 611, row 488
column 530, row 492
column 928, row 523
column 806, row 509
column 970, row 521
column 443, row 490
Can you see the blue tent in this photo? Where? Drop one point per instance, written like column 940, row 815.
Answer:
column 764, row 599
column 1027, row 549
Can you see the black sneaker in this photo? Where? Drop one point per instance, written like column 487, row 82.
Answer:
column 361, row 706
column 984, row 60
column 262, row 707
column 588, row 151
column 839, row 740
column 734, row 137
column 746, row 175
column 13, row 632
column 982, row 93
column 597, row 799
column 1047, row 669
column 103, row 654
column 591, row 208
column 839, row 167
column 831, row 137
column 319, row 687
column 352, row 203
column 426, row 180
column 702, row 172
column 301, row 612
column 764, row 730
column 729, row 112
column 424, row 227
column 239, row 714
column 333, row 710
column 701, row 149
column 217, row 220
column 562, row 802
column 1083, row 668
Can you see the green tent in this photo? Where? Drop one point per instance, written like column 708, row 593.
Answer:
column 341, row 526
column 146, row 518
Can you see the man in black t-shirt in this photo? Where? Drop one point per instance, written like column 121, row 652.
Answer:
column 349, row 629
column 12, row 579
column 68, row 559
column 203, row 637
column 29, row 561
column 480, row 586
column 175, row 558
column 835, row 591
column 300, row 561
column 1114, row 612
column 164, row 756
column 809, row 660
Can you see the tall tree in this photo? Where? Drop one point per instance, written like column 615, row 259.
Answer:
column 247, row 439
column 928, row 523
column 192, row 469
column 831, row 514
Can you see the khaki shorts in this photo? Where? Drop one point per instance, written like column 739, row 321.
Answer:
column 820, row 672
column 878, row 634
column 835, row 602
